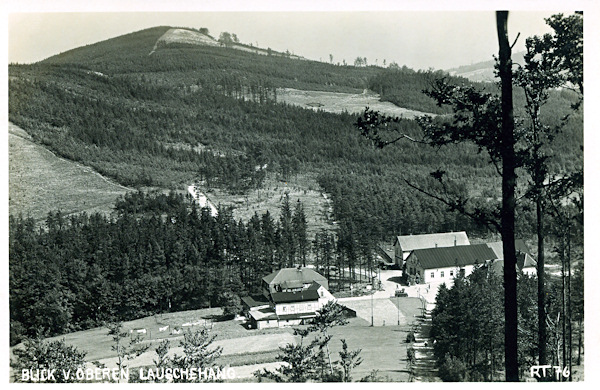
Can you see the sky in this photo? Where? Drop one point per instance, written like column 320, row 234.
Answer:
column 418, row 37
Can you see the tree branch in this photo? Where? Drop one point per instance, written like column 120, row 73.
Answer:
column 515, row 42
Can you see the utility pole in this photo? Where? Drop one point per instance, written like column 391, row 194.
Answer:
column 398, row 306
column 373, row 293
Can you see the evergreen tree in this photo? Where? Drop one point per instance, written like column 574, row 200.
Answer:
column 299, row 227
column 52, row 356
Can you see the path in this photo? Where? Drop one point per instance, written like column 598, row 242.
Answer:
column 424, row 369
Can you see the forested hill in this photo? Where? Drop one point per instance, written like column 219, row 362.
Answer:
column 192, row 112
column 183, row 63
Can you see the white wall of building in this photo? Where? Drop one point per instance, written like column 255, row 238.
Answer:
column 296, row 307
column 444, row 274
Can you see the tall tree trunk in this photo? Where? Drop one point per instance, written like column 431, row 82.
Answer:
column 508, row 200
column 542, row 334
column 579, row 347
column 569, row 312
column 564, row 293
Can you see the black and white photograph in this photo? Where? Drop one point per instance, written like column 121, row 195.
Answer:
column 277, row 192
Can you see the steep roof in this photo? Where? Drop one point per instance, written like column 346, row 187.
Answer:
column 453, row 256
column 439, row 240
column 529, row 261
column 295, row 277
column 520, row 246
column 385, row 255
column 255, row 300
column 523, row 261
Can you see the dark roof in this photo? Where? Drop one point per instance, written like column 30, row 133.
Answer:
column 436, row 240
column 453, row 256
column 309, row 294
column 255, row 300
column 386, row 256
column 310, row 314
column 295, row 277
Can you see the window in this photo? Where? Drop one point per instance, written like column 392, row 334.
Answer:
column 433, row 274
column 284, row 309
column 451, row 273
column 442, row 274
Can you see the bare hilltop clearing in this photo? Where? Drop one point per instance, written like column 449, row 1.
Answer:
column 338, row 102
column 41, row 182
column 191, row 37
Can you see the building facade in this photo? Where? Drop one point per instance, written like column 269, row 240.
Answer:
column 291, row 296
column 444, row 264
column 404, row 245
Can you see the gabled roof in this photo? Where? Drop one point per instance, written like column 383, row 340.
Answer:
column 385, row 255
column 309, row 294
column 529, row 261
column 524, row 260
column 255, row 300
column 452, row 256
column 263, row 314
column 520, row 246
column 439, row 240
column 295, row 277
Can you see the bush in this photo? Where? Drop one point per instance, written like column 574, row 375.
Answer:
column 453, row 370
column 231, row 303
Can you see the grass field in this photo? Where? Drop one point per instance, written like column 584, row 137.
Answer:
column 40, row 181
column 383, row 347
column 336, row 102
column 98, row 344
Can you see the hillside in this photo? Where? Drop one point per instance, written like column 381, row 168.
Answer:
column 482, row 71
column 41, row 182
column 192, row 37
column 202, row 113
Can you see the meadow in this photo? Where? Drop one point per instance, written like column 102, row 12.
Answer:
column 40, row 182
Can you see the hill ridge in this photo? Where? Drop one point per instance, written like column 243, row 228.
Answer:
column 182, row 35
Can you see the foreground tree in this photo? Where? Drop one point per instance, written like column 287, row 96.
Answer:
column 312, row 361
column 509, row 183
column 487, row 121
column 301, row 362
column 330, row 315
column 348, row 361
column 197, row 352
column 551, row 61
column 37, row 354
column 124, row 351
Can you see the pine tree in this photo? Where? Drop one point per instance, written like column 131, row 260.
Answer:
column 300, row 237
